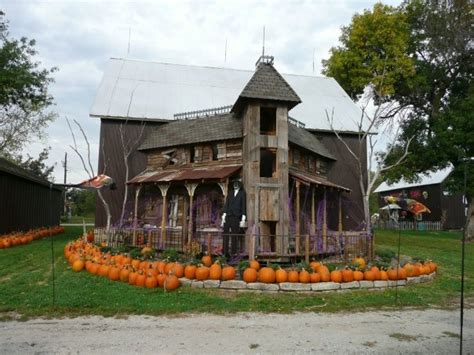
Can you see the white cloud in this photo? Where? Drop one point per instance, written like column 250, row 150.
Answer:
column 78, row 37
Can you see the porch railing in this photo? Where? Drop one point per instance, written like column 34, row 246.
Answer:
column 336, row 246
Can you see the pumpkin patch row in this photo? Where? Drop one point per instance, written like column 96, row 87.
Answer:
column 319, row 272
column 22, row 238
column 161, row 273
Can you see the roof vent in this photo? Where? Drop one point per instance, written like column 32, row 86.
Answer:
column 265, row 59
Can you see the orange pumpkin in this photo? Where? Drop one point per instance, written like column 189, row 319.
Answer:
column 336, row 276
column 369, row 275
column 132, row 278
column 410, row 269
column 190, row 271
column 314, row 277
column 358, row 275
column 103, row 270
column 266, row 275
column 228, row 273
column 304, row 277
column 171, row 283
column 177, row 270
column 376, row 272
column 206, row 260
column 383, row 275
column 161, row 279
column 151, row 282
column 315, row 265
column 140, row 281
column 250, row 275
column 293, row 276
column 215, row 271
column 124, row 274
column 347, row 275
column 281, row 275
column 78, row 265
column 324, row 272
column 254, row 264
column 114, row 274
column 202, row 273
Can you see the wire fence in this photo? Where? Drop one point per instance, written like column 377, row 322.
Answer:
column 335, row 246
column 410, row 225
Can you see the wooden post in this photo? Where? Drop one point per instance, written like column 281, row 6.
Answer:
column 191, row 189
column 164, row 213
column 313, row 213
column 135, row 215
column 325, row 225
column 209, row 244
column 306, row 248
column 298, row 219
column 339, row 225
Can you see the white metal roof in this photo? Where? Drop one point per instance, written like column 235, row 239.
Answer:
column 150, row 90
column 436, row 177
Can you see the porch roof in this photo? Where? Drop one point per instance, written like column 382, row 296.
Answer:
column 218, row 172
column 314, row 179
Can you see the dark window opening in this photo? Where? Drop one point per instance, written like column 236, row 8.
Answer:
column 215, row 151
column 192, row 155
column 268, row 233
column 267, row 162
column 296, row 157
column 268, row 120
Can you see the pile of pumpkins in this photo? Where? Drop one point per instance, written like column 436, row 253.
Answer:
column 318, row 272
column 143, row 273
column 22, row 238
column 161, row 273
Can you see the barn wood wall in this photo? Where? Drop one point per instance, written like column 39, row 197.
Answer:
column 111, row 156
column 344, row 172
column 228, row 152
column 25, row 205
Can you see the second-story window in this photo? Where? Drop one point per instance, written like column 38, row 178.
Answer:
column 268, row 121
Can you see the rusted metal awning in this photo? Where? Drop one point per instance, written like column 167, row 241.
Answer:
column 185, row 174
column 314, row 179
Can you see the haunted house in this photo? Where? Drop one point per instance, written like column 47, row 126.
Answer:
column 301, row 184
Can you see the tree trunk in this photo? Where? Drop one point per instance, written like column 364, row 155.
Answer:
column 469, row 227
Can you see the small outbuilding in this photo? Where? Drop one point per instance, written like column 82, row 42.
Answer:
column 446, row 209
column 26, row 201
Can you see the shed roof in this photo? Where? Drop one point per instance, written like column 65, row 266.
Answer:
column 314, row 179
column 150, row 90
column 11, row 168
column 268, row 84
column 186, row 173
column 436, row 177
column 220, row 127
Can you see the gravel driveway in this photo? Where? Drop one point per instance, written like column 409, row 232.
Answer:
column 413, row 331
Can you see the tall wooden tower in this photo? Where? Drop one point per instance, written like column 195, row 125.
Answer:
column 263, row 106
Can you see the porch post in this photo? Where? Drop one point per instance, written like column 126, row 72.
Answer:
column 325, row 225
column 298, row 220
column 164, row 191
column 191, row 189
column 339, row 225
column 135, row 215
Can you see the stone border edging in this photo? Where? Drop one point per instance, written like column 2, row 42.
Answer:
column 302, row 287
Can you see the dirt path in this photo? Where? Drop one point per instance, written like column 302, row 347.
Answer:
column 431, row 331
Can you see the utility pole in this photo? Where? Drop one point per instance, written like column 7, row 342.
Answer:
column 65, row 177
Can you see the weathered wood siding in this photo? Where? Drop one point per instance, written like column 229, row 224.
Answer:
column 25, row 204
column 345, row 173
column 111, row 163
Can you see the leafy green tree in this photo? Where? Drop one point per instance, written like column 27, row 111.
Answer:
column 37, row 166
column 24, row 95
column 372, row 53
column 83, row 202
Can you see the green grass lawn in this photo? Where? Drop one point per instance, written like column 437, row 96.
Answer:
column 26, row 285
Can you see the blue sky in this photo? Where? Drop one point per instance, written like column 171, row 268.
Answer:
column 79, row 37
